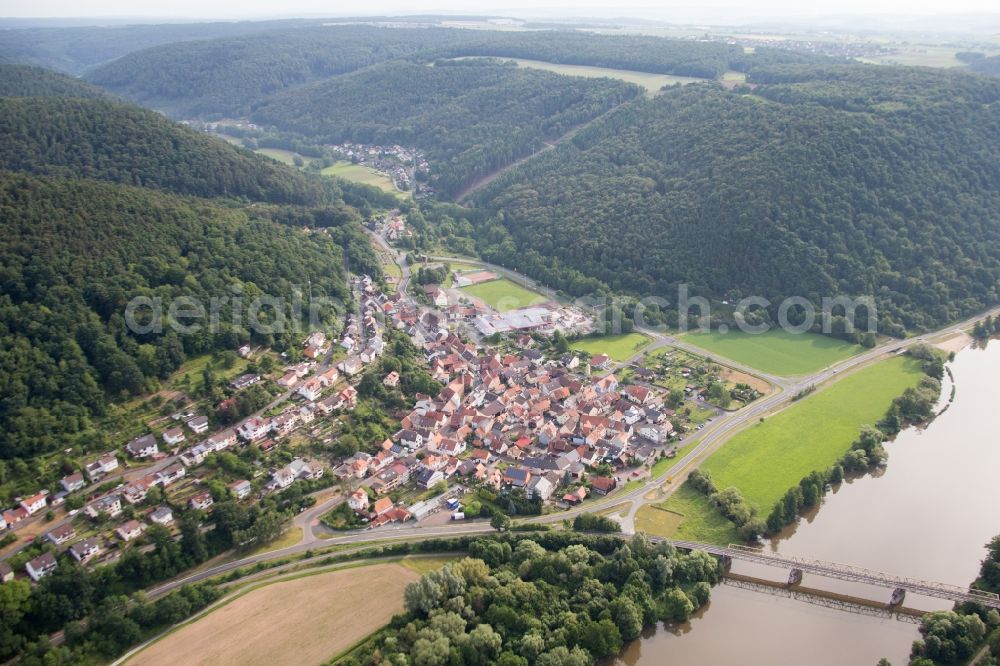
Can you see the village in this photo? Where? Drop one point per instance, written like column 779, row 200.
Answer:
column 517, row 425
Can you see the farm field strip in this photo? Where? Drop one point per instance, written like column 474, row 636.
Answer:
column 776, row 352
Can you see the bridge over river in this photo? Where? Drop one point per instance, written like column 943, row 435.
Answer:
column 799, row 565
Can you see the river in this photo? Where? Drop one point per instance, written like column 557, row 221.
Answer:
column 927, row 515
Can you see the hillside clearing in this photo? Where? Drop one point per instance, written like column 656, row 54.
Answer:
column 361, row 174
column 651, row 82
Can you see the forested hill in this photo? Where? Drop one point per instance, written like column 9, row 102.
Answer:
column 72, row 255
column 89, row 138
column 822, row 181
column 471, row 116
column 230, row 76
column 76, row 49
column 226, row 76
column 27, row 81
column 981, row 63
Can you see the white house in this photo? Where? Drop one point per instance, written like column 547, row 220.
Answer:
column 162, row 516
column 198, row 424
column 41, row 566
column 358, row 501
column 310, row 389
column 201, row 501
column 173, row 436
column 35, row 503
column 72, row 482
column 240, row 489
column 86, row 549
column 142, row 447
column 129, row 530
column 253, row 429
column 109, row 505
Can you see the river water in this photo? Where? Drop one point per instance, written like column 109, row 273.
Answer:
column 927, row 515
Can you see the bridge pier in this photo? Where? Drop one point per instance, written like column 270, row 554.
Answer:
column 727, row 563
column 795, row 576
column 897, row 596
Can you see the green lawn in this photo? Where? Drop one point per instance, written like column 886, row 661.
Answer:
column 283, row 156
column 776, row 351
column 504, row 295
column 768, row 458
column 687, row 515
column 618, row 347
column 360, row 174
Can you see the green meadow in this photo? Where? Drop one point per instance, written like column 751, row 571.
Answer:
column 618, row 347
column 770, row 457
column 777, row 351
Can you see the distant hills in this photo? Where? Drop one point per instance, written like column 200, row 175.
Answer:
column 105, row 140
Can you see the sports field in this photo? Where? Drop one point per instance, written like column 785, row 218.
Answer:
column 768, row 458
column 503, row 295
column 360, row 174
column 618, row 347
column 776, row 351
column 300, row 621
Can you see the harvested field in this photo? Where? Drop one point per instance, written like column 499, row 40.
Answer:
column 305, row 620
column 737, row 377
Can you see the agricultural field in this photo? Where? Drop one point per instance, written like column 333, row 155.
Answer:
column 651, row 82
column 777, row 352
column 618, row 347
column 686, row 515
column 768, row 458
column 361, row 174
column 304, row 620
column 503, row 295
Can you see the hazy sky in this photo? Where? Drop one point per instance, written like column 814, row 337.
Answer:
column 678, row 10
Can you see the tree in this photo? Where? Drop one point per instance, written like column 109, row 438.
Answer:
column 500, row 521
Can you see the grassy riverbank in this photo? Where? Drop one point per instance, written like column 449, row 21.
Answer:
column 770, row 457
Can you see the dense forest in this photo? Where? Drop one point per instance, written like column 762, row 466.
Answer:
column 230, row 76
column 75, row 49
column 227, row 76
column 981, row 63
column 72, row 255
column 87, row 138
column 553, row 600
column 700, row 59
column 27, row 81
column 471, row 116
column 821, row 181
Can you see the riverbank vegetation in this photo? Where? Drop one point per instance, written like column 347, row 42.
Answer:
column 769, row 457
column 761, row 469
column 550, row 599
